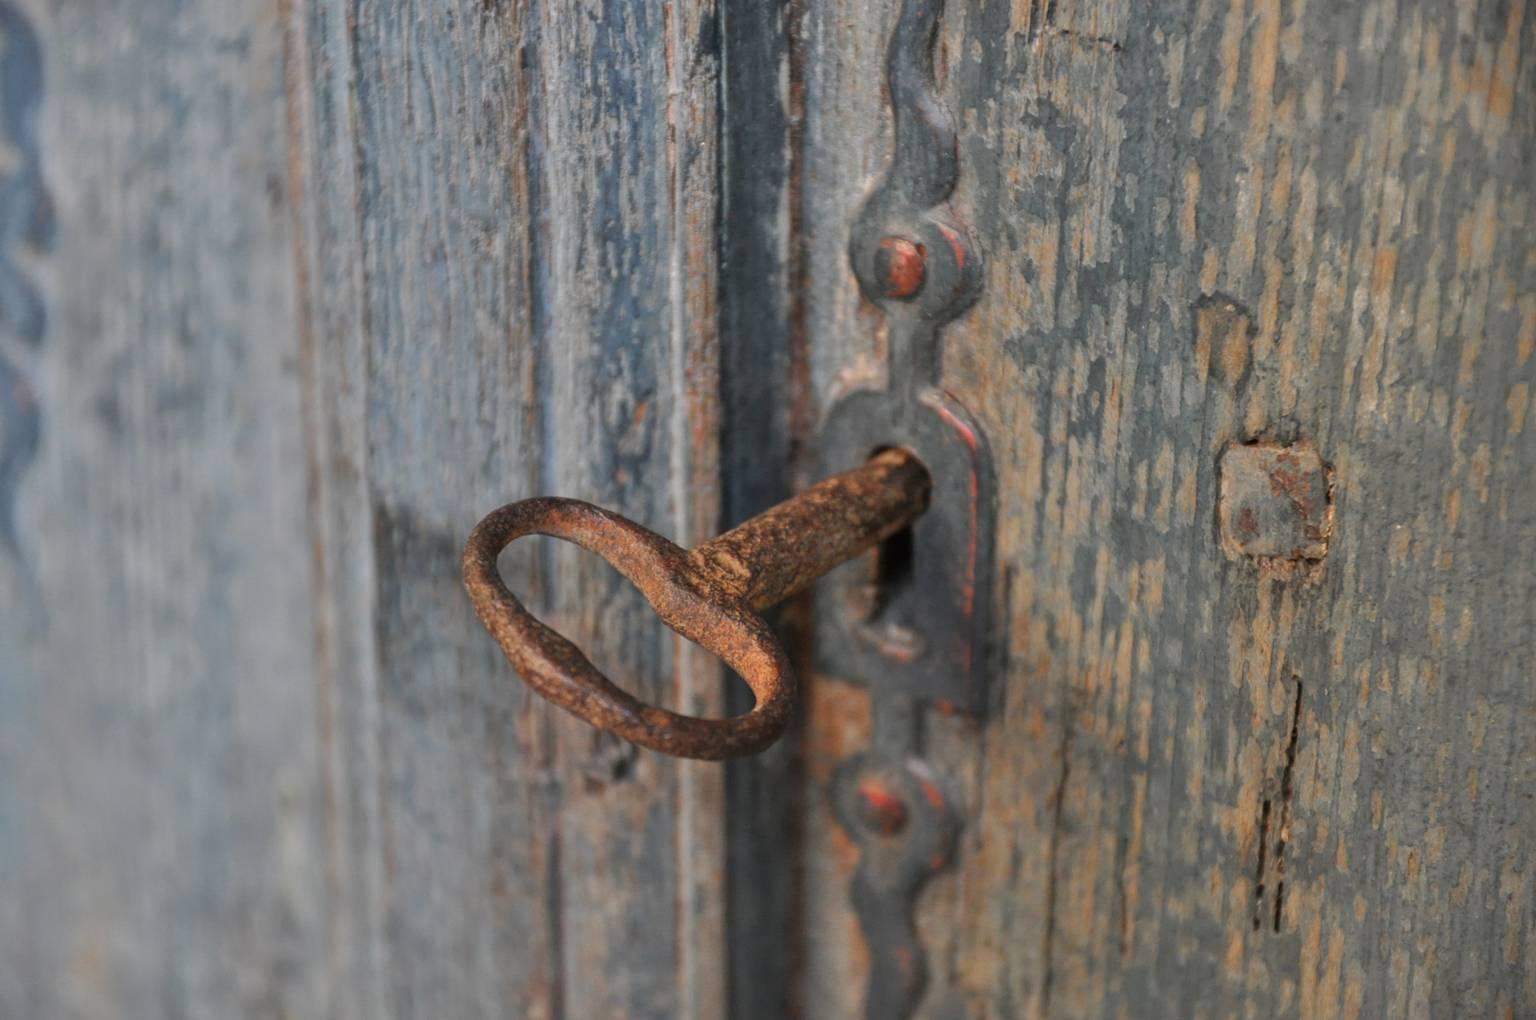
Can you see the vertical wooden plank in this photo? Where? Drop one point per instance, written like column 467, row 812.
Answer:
column 696, row 422
column 432, row 99
column 323, row 168
column 1213, row 786
column 160, row 816
column 524, row 201
column 762, row 352
column 617, row 356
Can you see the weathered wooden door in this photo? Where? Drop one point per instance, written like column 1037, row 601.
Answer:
column 1226, row 772
column 292, row 292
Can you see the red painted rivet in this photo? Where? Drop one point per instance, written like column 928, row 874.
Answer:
column 881, row 808
column 901, row 266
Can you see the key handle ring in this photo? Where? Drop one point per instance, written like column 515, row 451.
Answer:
column 712, row 595
column 683, row 595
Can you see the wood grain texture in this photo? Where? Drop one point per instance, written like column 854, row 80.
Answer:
column 160, row 810
column 1210, row 788
column 331, row 279
column 510, row 251
column 762, row 355
column 291, row 294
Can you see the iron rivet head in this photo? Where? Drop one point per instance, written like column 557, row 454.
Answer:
column 881, row 809
column 901, row 266
column 1275, row 503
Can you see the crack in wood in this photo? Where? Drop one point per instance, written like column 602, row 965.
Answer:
column 1040, row 14
column 555, row 916
column 1052, row 882
column 1286, row 788
column 1272, row 865
column 1072, row 35
column 1122, row 896
column 1258, row 875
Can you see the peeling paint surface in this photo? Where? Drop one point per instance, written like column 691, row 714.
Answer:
column 1274, row 770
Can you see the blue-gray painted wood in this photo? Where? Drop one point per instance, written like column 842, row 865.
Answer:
column 160, row 758
column 290, row 295
column 760, row 352
column 511, row 222
column 330, row 280
column 1212, row 786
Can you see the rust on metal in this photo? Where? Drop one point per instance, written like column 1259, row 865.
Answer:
column 1276, row 503
column 896, row 811
column 901, row 266
column 710, row 596
column 922, row 632
column 881, row 809
column 781, row 551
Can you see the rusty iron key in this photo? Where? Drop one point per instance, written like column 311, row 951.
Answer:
column 711, row 595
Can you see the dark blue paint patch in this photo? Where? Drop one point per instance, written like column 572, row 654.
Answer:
column 624, row 252
column 757, row 357
column 20, row 432
column 708, row 45
column 26, row 210
column 26, row 219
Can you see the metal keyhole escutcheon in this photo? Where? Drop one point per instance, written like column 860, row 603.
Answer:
column 710, row 595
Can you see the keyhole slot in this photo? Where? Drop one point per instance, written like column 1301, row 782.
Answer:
column 893, row 568
column 890, row 570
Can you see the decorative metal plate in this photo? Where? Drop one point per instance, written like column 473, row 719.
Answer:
column 918, row 623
